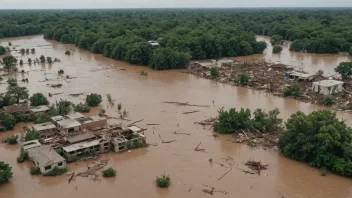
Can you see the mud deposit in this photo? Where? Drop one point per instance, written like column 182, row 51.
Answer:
column 143, row 97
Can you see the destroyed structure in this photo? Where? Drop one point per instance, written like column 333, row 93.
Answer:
column 46, row 130
column 39, row 109
column 22, row 108
column 328, row 87
column 25, row 146
column 46, row 158
column 213, row 63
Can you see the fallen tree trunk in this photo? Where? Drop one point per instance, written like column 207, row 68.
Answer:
column 162, row 140
column 135, row 122
column 189, row 112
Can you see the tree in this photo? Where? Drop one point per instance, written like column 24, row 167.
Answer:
column 232, row 120
column 21, row 62
column 344, row 69
column 31, row 135
column 7, row 120
column 6, row 100
column 63, row 107
column 243, row 79
column 168, row 58
column 214, row 72
column 29, row 61
column 68, row 52
column 38, row 99
column 163, row 181
column 5, row 172
column 42, row 59
column 19, row 93
column 93, row 100
column 27, row 51
column 350, row 51
column 33, row 50
column 10, row 44
column 2, row 50
column 277, row 49
column 23, row 51
column 276, row 39
column 320, row 139
column 110, row 172
column 49, row 60
column 12, row 82
column 293, row 90
column 9, row 62
column 82, row 108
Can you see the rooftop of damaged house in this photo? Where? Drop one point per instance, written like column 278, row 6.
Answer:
column 313, row 87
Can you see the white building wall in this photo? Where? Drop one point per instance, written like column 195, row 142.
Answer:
column 43, row 171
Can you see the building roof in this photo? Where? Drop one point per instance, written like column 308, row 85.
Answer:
column 91, row 119
column 30, row 144
column 43, row 126
column 206, row 64
column 68, row 123
column 328, row 83
column 300, row 75
column 226, row 61
column 81, row 137
column 22, row 108
column 135, row 129
column 42, row 108
column 75, row 115
column 82, row 145
column 45, row 155
column 57, row 118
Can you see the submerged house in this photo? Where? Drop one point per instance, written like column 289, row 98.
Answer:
column 25, row 146
column 86, row 148
column 129, row 137
column 66, row 124
column 93, row 122
column 22, row 108
column 327, row 87
column 46, row 158
column 46, row 129
column 299, row 76
column 39, row 109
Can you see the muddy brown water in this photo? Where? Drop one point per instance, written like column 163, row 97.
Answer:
column 142, row 97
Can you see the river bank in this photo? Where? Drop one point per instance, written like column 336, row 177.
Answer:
column 143, row 97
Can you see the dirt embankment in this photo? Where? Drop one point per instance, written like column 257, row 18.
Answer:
column 270, row 78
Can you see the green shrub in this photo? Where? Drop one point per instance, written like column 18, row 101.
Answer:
column 320, row 139
column 214, row 72
column 344, row 69
column 81, row 108
column 49, row 59
column 144, row 73
column 119, row 106
column 42, row 119
column 38, row 99
column 163, row 181
column 34, row 171
column 243, row 79
column 31, row 135
column 101, row 112
column 7, row 120
column 56, row 171
column 323, row 171
column 276, row 39
column 61, row 71
column 12, row 82
column 68, row 52
column 12, row 139
column 138, row 144
column 5, row 172
column 42, row 59
column 23, row 156
column 328, row 100
column 110, row 172
column 62, row 108
column 293, row 90
column 277, row 49
column 93, row 100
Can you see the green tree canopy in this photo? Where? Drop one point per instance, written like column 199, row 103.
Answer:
column 9, row 62
column 344, row 69
column 38, row 99
column 2, row 50
column 7, row 120
column 93, row 100
column 18, row 93
column 5, row 172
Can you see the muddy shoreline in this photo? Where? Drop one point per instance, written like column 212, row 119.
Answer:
column 143, row 97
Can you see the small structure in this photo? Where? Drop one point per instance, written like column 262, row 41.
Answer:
column 122, row 142
column 327, row 87
column 87, row 136
column 39, row 109
column 74, row 116
column 224, row 62
column 25, row 146
column 93, row 122
column 86, row 148
column 22, row 108
column 153, row 43
column 299, row 76
column 135, row 129
column 46, row 158
column 46, row 129
column 66, row 124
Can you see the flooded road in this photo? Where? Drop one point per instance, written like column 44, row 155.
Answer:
column 142, row 97
column 305, row 61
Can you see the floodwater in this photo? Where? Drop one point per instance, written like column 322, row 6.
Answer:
column 302, row 61
column 143, row 97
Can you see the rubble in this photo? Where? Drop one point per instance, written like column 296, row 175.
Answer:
column 256, row 166
column 274, row 78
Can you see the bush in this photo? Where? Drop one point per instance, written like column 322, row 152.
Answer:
column 12, row 139
column 49, row 59
column 81, row 108
column 320, row 139
column 63, row 107
column 101, row 112
column 276, row 39
column 163, row 181
column 5, row 172
column 110, row 172
column 214, row 72
column 38, row 99
column 56, row 171
column 138, row 144
column 293, row 90
column 34, row 171
column 23, row 156
column 33, row 50
column 119, row 106
column 68, row 52
column 60, row 72
column 7, row 120
column 93, row 100
column 144, row 73
column 31, row 135
column 277, row 49
column 328, row 100
column 323, row 172
column 243, row 79
column 344, row 69
column 2, row 50
column 12, row 82
column 42, row 119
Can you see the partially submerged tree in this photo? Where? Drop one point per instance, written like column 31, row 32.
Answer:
column 12, row 82
column 68, row 52
column 12, row 139
column 9, row 62
column 33, row 50
column 38, row 99
column 320, row 139
column 276, row 40
column 7, row 120
column 21, row 62
column 2, row 50
column 110, row 172
column 5, row 172
column 214, row 72
column 18, row 93
column 82, row 108
column 344, row 69
column 29, row 61
column 293, row 90
column 42, row 59
column 93, row 100
column 277, row 49
column 243, row 79
column 31, row 135
column 49, row 59
column 163, row 181
column 63, row 107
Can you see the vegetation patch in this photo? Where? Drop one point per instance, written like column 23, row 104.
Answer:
column 93, row 100
column 110, row 172
column 163, row 181
column 5, row 172
column 12, row 139
column 23, row 157
column 56, row 171
column 243, row 79
column 81, row 108
column 277, row 49
column 293, row 90
column 34, row 171
column 214, row 72
column 38, row 99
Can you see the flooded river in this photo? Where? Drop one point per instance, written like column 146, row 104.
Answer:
column 143, row 97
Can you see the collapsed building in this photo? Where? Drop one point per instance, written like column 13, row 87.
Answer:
column 327, row 87
column 46, row 130
column 46, row 158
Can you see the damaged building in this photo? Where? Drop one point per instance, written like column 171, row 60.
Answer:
column 46, row 158
column 93, row 122
column 328, row 87
column 123, row 140
column 64, row 123
column 46, row 129
column 85, row 148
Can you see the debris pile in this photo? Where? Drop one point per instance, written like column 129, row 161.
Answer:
column 256, row 166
